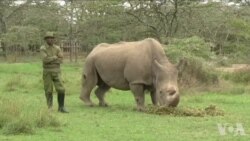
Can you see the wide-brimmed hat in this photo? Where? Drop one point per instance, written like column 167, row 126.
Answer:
column 49, row 35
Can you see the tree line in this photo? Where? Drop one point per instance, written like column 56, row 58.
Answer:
column 226, row 28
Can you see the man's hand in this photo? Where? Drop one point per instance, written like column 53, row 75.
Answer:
column 60, row 55
column 54, row 57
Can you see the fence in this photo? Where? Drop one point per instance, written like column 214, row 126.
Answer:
column 71, row 51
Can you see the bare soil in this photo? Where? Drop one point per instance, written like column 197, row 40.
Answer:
column 235, row 68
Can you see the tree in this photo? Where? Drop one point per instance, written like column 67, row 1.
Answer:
column 103, row 21
column 160, row 17
column 8, row 10
column 22, row 36
column 32, row 14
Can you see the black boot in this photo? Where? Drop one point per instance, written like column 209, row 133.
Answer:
column 60, row 98
column 49, row 98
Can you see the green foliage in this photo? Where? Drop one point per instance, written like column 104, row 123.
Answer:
column 194, row 73
column 107, row 22
column 237, row 46
column 193, row 47
column 195, row 54
column 225, row 27
column 242, row 76
column 22, row 36
column 47, row 16
column 238, row 24
column 92, row 22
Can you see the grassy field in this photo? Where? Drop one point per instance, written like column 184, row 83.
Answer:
column 24, row 116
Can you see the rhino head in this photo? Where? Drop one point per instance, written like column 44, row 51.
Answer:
column 165, row 83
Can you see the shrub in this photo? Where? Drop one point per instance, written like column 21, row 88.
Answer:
column 193, row 47
column 242, row 76
column 194, row 73
column 196, row 55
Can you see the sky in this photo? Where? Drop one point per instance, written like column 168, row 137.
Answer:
column 61, row 2
column 126, row 4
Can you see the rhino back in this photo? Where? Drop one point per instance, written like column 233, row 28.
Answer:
column 127, row 62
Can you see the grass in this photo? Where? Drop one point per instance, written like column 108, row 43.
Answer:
column 17, row 118
column 24, row 117
column 242, row 76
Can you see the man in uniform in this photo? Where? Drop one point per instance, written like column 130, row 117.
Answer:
column 52, row 58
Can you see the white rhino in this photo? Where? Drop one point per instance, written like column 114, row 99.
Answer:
column 135, row 66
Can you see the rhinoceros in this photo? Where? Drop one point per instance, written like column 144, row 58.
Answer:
column 136, row 66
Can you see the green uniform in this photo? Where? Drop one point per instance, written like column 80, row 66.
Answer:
column 52, row 58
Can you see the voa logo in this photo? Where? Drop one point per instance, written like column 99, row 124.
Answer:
column 226, row 129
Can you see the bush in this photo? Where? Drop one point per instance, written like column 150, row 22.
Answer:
column 195, row 52
column 22, row 36
column 194, row 73
column 242, row 76
column 193, row 47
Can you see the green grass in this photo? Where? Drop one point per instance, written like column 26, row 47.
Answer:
column 22, row 101
column 242, row 76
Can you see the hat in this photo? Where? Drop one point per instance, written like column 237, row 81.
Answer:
column 49, row 35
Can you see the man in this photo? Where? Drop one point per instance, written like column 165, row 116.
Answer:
column 52, row 58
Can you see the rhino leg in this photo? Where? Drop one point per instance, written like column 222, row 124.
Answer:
column 138, row 91
column 88, row 84
column 153, row 97
column 100, row 93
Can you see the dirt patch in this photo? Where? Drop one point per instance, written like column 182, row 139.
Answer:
column 234, row 68
column 210, row 110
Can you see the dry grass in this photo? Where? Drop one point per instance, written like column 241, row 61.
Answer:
column 15, row 120
column 211, row 110
column 234, row 68
column 9, row 111
column 46, row 119
column 19, row 126
column 14, row 83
